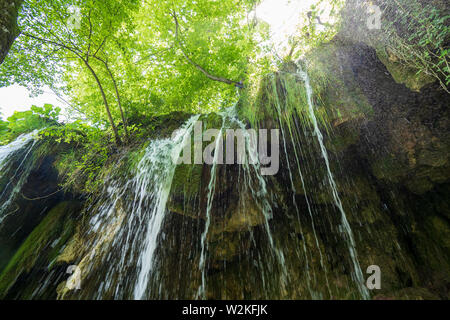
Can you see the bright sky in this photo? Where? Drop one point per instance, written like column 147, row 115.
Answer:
column 17, row 98
column 283, row 17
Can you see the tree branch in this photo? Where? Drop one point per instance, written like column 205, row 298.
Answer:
column 61, row 45
column 101, row 45
column 119, row 103
column 86, row 62
column 90, row 35
column 198, row 67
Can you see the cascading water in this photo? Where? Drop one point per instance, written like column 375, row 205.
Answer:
column 125, row 233
column 126, row 242
column 357, row 273
column 295, row 122
column 313, row 294
column 17, row 152
column 254, row 183
column 127, row 230
column 132, row 245
column 134, row 235
column 211, row 191
column 163, row 184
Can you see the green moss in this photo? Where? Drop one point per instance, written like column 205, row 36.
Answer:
column 442, row 230
column 342, row 140
column 187, row 180
column 135, row 156
column 404, row 74
column 388, row 168
column 44, row 242
column 335, row 88
column 419, row 185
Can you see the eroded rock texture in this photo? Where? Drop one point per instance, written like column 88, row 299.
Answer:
column 387, row 138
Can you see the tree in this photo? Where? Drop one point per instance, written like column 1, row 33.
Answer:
column 145, row 60
column 201, row 69
column 53, row 37
column 8, row 25
column 25, row 121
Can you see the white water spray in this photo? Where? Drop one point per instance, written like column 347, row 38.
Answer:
column 358, row 276
column 24, row 143
column 254, row 182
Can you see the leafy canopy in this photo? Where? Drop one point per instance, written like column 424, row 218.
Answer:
column 25, row 121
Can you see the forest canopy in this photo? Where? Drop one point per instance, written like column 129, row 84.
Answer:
column 117, row 62
column 134, row 57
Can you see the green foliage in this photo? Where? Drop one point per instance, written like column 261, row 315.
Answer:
column 27, row 121
column 49, row 28
column 125, row 57
column 320, row 24
column 137, row 59
column 418, row 36
column 155, row 77
column 3, row 131
column 89, row 148
column 60, row 37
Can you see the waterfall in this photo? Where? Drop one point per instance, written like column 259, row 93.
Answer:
column 159, row 183
column 128, row 233
column 294, row 201
column 357, row 273
column 130, row 217
column 18, row 151
column 211, row 191
column 254, row 183
column 130, row 213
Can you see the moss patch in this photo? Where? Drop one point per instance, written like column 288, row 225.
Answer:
column 43, row 244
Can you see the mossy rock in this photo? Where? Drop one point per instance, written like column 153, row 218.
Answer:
column 419, row 185
column 191, row 180
column 342, row 139
column 333, row 82
column 187, row 185
column 408, row 294
column 42, row 246
column 187, row 180
column 228, row 245
column 403, row 74
column 388, row 168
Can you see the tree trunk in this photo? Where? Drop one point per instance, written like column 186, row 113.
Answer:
column 105, row 101
column 124, row 120
column 9, row 10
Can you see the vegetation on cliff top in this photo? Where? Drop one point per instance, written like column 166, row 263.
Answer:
column 122, row 63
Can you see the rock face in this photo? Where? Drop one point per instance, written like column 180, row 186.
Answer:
column 38, row 221
column 387, row 141
column 385, row 150
column 391, row 134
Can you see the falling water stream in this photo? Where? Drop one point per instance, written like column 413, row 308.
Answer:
column 18, row 150
column 131, row 214
column 357, row 273
column 162, row 189
column 125, row 230
column 254, row 182
column 211, row 192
